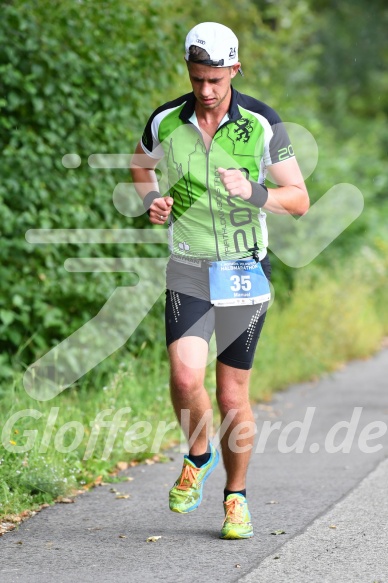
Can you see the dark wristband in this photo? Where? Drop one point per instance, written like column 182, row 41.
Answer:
column 149, row 199
column 259, row 194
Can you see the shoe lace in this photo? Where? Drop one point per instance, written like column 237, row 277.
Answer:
column 234, row 511
column 188, row 477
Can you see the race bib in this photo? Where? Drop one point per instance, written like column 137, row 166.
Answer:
column 238, row 283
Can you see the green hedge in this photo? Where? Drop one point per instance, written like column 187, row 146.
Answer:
column 75, row 77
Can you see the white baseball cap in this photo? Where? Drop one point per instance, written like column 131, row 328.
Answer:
column 219, row 42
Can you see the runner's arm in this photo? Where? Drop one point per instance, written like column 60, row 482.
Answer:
column 145, row 181
column 290, row 196
column 143, row 172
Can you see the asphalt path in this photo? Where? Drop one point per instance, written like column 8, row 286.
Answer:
column 331, row 505
column 349, row 543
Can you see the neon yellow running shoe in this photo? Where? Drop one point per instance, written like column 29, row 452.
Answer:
column 186, row 494
column 237, row 523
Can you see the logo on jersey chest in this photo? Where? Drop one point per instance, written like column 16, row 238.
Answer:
column 243, row 130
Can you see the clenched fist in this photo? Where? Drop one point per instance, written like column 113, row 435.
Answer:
column 235, row 183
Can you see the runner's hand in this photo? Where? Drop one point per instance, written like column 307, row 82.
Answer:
column 235, row 183
column 160, row 209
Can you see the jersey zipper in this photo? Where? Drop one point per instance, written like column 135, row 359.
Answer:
column 208, row 188
column 210, row 200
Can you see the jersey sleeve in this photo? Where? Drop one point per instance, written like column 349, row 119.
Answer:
column 150, row 139
column 278, row 147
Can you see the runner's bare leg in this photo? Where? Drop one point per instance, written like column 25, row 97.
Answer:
column 233, row 393
column 187, row 388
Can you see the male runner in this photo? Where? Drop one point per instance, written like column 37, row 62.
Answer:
column 218, row 145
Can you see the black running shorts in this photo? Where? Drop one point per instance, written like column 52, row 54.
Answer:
column 189, row 313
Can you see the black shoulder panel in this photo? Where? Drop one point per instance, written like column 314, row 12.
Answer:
column 147, row 134
column 280, row 145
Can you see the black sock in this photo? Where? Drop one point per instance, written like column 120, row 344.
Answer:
column 227, row 492
column 200, row 460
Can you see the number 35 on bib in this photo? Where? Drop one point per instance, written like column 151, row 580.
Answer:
column 237, row 283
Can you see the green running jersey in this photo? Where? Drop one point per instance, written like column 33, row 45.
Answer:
column 205, row 221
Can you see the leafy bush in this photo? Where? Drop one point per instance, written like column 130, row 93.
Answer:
column 76, row 78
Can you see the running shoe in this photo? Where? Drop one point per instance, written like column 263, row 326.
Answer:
column 186, row 494
column 237, row 523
